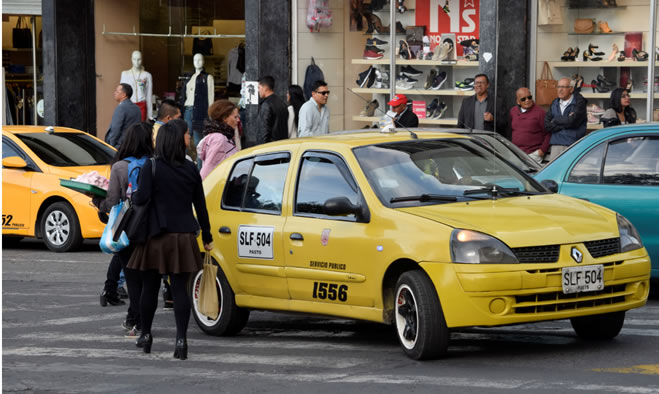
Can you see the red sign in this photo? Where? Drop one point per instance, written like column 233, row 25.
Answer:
column 419, row 108
column 448, row 16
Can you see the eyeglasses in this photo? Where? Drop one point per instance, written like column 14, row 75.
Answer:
column 325, row 93
column 563, row 86
column 523, row 99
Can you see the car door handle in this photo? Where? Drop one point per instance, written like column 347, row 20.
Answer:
column 297, row 237
column 225, row 230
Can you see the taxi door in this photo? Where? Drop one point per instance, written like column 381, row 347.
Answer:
column 16, row 194
column 328, row 257
column 251, row 224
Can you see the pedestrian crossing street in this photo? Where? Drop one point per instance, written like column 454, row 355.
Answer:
column 279, row 351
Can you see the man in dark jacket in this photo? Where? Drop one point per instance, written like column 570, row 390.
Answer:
column 124, row 115
column 477, row 111
column 566, row 119
column 273, row 113
column 404, row 115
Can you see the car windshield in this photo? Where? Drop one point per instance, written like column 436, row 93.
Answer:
column 509, row 151
column 420, row 172
column 67, row 149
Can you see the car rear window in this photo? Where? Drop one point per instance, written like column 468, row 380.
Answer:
column 68, row 149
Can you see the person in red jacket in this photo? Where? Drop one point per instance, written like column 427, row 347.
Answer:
column 527, row 121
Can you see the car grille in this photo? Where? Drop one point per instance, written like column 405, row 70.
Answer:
column 557, row 301
column 603, row 247
column 538, row 254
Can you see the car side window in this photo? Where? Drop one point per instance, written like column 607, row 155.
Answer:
column 235, row 187
column 265, row 189
column 587, row 169
column 632, row 161
column 322, row 177
column 8, row 150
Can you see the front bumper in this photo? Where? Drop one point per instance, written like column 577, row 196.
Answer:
column 501, row 294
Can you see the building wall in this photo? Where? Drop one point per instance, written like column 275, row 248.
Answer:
column 113, row 53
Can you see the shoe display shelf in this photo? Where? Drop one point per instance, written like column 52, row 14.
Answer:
column 418, row 92
column 441, row 121
column 416, row 62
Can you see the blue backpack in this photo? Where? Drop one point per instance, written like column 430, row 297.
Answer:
column 134, row 169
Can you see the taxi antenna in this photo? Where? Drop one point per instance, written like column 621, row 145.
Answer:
column 412, row 134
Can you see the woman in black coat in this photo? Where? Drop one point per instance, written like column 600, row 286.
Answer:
column 171, row 243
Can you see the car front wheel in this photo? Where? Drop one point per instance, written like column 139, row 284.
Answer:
column 598, row 327
column 419, row 319
column 60, row 228
column 231, row 318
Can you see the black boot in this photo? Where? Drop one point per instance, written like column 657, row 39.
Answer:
column 145, row 341
column 112, row 299
column 181, row 349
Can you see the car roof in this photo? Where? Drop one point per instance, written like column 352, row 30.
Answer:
column 15, row 129
column 628, row 128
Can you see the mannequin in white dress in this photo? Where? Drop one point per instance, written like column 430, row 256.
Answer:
column 142, row 84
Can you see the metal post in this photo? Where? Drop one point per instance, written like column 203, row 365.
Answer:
column 34, row 69
column 392, row 45
column 651, row 59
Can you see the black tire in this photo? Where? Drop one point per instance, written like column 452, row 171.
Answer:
column 60, row 228
column 598, row 327
column 418, row 317
column 231, row 318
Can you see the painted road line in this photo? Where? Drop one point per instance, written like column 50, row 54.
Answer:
column 224, row 358
column 649, row 369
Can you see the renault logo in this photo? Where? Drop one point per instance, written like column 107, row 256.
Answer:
column 576, row 255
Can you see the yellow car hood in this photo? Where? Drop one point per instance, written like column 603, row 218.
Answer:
column 527, row 221
column 73, row 172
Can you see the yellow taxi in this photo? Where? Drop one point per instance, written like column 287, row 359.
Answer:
column 34, row 159
column 427, row 231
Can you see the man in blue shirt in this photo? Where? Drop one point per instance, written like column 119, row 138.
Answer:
column 314, row 114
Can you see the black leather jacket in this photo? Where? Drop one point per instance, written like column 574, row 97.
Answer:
column 272, row 120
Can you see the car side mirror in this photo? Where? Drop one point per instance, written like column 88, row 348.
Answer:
column 13, row 162
column 340, row 206
column 550, row 185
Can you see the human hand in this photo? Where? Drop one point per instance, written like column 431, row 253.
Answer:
column 540, row 153
column 209, row 246
column 488, row 117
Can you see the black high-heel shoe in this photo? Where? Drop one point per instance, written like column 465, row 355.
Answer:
column 602, row 79
column 567, row 55
column 181, row 349
column 598, row 87
column 145, row 341
column 640, row 56
column 591, row 48
column 589, row 56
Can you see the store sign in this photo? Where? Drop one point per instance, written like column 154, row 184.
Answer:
column 419, row 108
column 449, row 16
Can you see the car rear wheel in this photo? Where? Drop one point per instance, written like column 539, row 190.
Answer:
column 598, row 327
column 231, row 318
column 60, row 228
column 419, row 319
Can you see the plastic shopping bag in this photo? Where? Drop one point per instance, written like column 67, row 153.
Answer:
column 107, row 244
column 208, row 302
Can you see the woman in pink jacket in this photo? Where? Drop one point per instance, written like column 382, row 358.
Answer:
column 220, row 138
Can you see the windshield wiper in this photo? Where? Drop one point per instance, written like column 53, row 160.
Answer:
column 425, row 198
column 494, row 191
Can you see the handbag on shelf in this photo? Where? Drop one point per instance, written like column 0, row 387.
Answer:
column 202, row 45
column 584, row 25
column 113, row 241
column 209, row 304
column 135, row 222
column 21, row 34
column 545, row 87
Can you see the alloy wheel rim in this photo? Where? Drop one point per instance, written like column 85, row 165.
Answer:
column 57, row 228
column 203, row 319
column 407, row 317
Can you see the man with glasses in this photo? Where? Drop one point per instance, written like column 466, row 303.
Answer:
column 477, row 111
column 273, row 113
column 313, row 118
column 527, row 122
column 566, row 118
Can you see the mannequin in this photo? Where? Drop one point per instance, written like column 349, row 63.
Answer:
column 142, row 84
column 197, row 95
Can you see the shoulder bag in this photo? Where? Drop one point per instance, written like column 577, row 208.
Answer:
column 545, row 87
column 136, row 219
column 584, row 25
column 21, row 35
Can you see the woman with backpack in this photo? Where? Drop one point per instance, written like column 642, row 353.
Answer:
column 137, row 147
column 170, row 185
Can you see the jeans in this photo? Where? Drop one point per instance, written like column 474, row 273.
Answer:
column 196, row 135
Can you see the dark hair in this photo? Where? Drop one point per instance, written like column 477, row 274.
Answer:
column 170, row 142
column 484, row 76
column 221, row 109
column 167, row 108
column 268, row 81
column 296, row 100
column 318, row 84
column 127, row 89
column 616, row 96
column 137, row 142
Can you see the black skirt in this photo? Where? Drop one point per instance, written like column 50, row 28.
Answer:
column 169, row 253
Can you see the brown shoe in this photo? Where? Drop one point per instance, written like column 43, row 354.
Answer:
column 377, row 24
column 604, row 27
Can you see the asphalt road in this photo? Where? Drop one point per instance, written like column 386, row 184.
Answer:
column 57, row 339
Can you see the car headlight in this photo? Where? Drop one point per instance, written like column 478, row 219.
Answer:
column 629, row 238
column 471, row 247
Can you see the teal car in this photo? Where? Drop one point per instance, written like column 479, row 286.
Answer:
column 617, row 168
